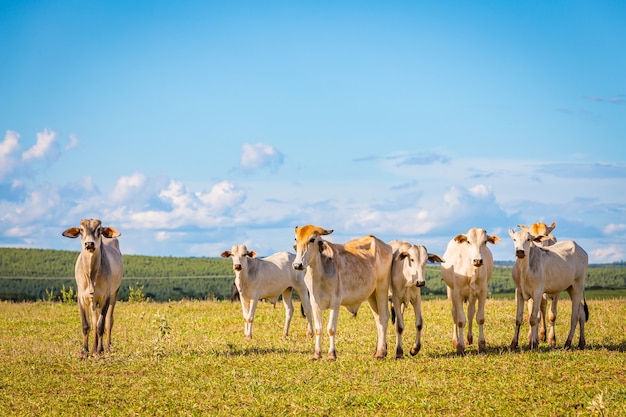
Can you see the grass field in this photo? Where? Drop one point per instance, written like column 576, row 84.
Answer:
column 190, row 358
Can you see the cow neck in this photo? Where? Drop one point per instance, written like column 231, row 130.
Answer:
column 92, row 262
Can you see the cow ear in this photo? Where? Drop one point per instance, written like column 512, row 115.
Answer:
column 327, row 232
column 433, row 257
column 110, row 232
column 251, row 254
column 226, row 254
column 550, row 228
column 521, row 226
column 326, row 250
column 538, row 238
column 511, row 232
column 493, row 239
column 460, row 238
column 72, row 232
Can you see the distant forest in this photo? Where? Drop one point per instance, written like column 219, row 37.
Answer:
column 37, row 274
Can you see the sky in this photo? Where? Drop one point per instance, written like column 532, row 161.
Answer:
column 191, row 126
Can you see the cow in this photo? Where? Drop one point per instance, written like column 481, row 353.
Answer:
column 547, row 239
column 407, row 277
column 466, row 270
column 98, row 272
column 549, row 270
column 268, row 277
column 344, row 274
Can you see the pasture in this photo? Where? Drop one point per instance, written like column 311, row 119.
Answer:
column 190, row 358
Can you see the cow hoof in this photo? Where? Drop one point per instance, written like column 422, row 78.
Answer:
column 482, row 346
column 513, row 346
column 415, row 349
column 399, row 353
column 460, row 350
column 568, row 345
column 470, row 339
column 332, row 356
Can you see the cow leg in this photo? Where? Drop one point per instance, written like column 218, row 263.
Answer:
column 471, row 311
column 458, row 315
column 533, row 320
column 552, row 333
column 287, row 302
column 305, row 300
column 86, row 327
column 480, row 319
column 245, row 308
column 576, row 310
column 583, row 312
column 396, row 305
column 542, row 318
column 101, row 325
column 519, row 316
column 417, row 309
column 378, row 303
column 96, row 319
column 317, row 326
column 530, row 309
column 109, row 322
column 253, row 305
column 332, row 331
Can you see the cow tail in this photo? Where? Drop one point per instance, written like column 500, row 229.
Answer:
column 586, row 309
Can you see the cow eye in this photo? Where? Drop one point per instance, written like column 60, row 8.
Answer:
column 312, row 240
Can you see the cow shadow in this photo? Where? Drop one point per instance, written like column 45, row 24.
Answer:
column 233, row 350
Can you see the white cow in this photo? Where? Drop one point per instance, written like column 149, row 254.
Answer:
column 547, row 239
column 549, row 270
column 98, row 273
column 466, row 271
column 407, row 277
column 258, row 278
column 344, row 274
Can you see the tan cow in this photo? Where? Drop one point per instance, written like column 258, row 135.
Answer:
column 549, row 270
column 344, row 274
column 466, row 270
column 98, row 272
column 547, row 239
column 407, row 277
column 268, row 277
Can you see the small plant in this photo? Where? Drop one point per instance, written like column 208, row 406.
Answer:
column 597, row 406
column 68, row 296
column 50, row 295
column 135, row 294
column 163, row 331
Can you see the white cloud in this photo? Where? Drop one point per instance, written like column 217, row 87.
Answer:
column 128, row 186
column 609, row 253
column 8, row 146
column 73, row 142
column 43, row 147
column 260, row 155
column 614, row 228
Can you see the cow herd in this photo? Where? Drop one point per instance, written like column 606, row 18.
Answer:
column 328, row 275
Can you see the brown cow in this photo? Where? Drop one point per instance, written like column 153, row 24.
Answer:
column 344, row 274
column 98, row 273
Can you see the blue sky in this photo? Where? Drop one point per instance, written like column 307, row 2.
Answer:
column 191, row 126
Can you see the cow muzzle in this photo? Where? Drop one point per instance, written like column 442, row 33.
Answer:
column 478, row 262
column 90, row 247
column 420, row 284
column 520, row 254
column 298, row 266
column 237, row 267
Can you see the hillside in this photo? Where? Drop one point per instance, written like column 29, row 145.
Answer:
column 32, row 274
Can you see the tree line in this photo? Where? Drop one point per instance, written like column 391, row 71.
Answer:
column 39, row 274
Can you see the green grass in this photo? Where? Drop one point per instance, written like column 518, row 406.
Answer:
column 190, row 358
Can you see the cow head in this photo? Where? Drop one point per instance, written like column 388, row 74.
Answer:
column 414, row 260
column 308, row 240
column 541, row 229
column 240, row 255
column 522, row 240
column 476, row 238
column 91, row 232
